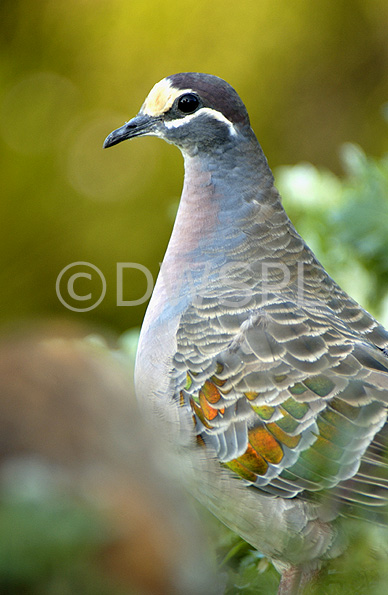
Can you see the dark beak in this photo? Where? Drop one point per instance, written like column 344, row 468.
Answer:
column 140, row 125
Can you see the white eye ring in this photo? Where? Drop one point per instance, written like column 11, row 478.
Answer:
column 203, row 110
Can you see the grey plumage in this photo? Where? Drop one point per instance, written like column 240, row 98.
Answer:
column 284, row 375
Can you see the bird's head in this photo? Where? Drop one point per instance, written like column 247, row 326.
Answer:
column 196, row 112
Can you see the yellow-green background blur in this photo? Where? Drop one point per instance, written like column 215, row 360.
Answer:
column 312, row 74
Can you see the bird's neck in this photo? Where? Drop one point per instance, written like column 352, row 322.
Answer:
column 227, row 203
column 222, row 191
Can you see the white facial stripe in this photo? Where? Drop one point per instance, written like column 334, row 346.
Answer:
column 161, row 97
column 207, row 110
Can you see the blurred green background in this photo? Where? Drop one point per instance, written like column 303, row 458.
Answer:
column 313, row 76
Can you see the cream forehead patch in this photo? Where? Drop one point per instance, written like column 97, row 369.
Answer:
column 161, row 97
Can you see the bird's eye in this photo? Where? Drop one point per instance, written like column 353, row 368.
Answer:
column 188, row 103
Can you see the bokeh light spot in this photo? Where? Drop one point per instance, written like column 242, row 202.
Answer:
column 111, row 174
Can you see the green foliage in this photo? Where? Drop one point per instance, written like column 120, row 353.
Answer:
column 361, row 570
column 52, row 546
column 248, row 572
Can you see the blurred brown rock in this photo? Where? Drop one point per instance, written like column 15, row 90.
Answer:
column 70, row 428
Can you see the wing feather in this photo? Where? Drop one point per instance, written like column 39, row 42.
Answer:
column 292, row 399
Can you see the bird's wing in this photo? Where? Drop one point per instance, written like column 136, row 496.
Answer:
column 290, row 398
